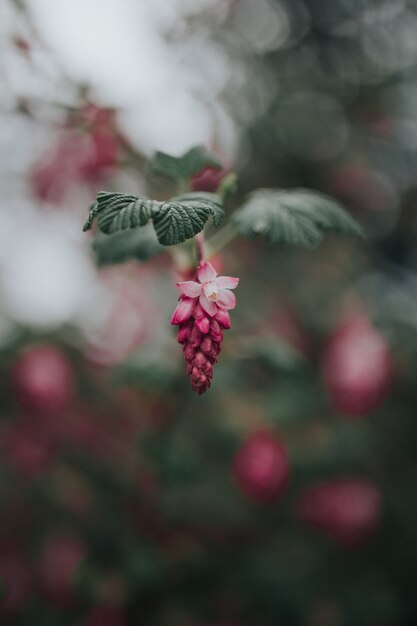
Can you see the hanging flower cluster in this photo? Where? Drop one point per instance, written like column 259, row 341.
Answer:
column 202, row 315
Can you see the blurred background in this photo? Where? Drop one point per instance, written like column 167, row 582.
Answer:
column 286, row 495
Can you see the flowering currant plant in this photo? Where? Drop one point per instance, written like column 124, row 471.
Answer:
column 140, row 227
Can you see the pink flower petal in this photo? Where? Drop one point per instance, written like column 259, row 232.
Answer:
column 206, row 272
column 226, row 299
column 198, row 311
column 183, row 310
column 223, row 318
column 227, row 282
column 203, row 325
column 208, row 305
column 190, row 289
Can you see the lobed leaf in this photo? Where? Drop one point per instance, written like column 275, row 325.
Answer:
column 92, row 214
column 185, row 166
column 298, row 217
column 174, row 221
column 184, row 216
column 138, row 243
column 118, row 211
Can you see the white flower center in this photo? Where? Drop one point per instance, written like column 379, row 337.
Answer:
column 211, row 290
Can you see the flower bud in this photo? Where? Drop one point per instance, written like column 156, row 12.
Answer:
column 184, row 333
column 195, row 337
column 206, row 345
column 203, row 325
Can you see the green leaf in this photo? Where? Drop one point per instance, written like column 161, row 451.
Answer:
column 92, row 214
column 139, row 243
column 117, row 211
column 174, row 221
column 228, row 186
column 273, row 351
column 298, row 217
column 185, row 166
column 184, row 216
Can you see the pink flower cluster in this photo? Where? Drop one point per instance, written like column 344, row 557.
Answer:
column 86, row 151
column 202, row 315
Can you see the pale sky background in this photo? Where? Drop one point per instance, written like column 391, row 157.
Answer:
column 168, row 91
column 168, row 94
